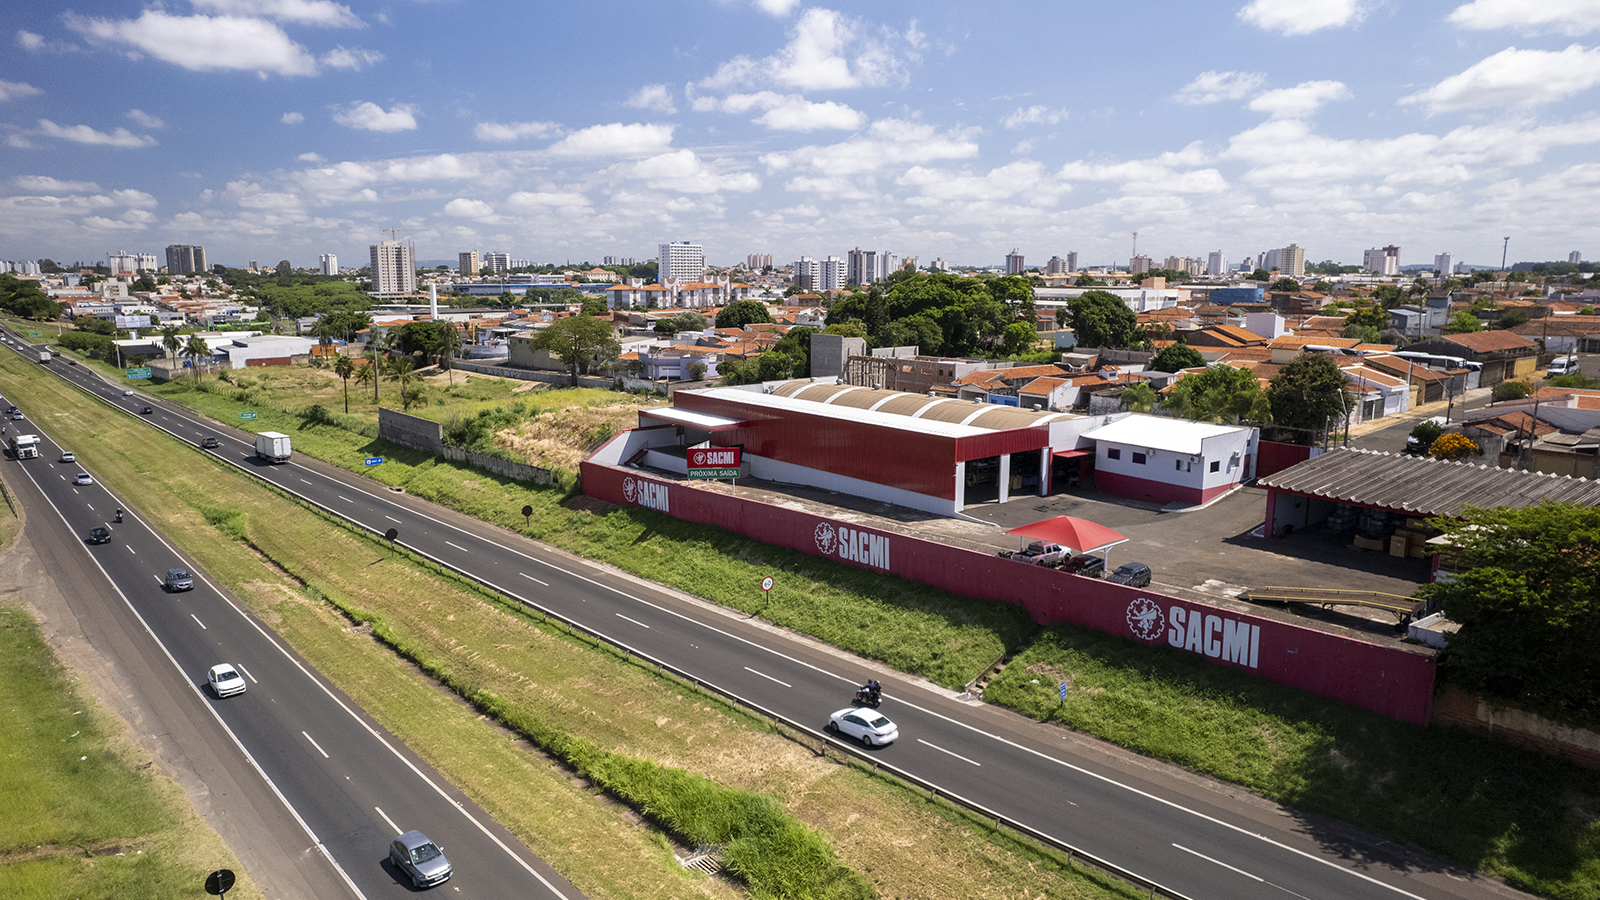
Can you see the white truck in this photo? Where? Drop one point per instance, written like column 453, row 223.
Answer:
column 272, row 446
column 44, row 356
column 25, row 446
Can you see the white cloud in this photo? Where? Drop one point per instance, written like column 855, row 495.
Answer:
column 494, row 131
column 132, row 220
column 251, row 195
column 1299, row 101
column 1034, row 115
column 814, row 58
column 684, row 172
column 352, row 58
column 1514, row 77
column 786, row 112
column 653, row 96
column 1293, row 17
column 145, row 119
column 463, row 208
column 939, row 185
column 1567, row 16
column 83, row 134
column 1213, row 86
column 11, row 90
column 38, row 43
column 887, row 143
column 312, row 157
column 44, row 184
column 777, row 7
column 292, row 118
column 543, row 201
column 302, row 12
column 200, row 43
column 369, row 116
column 616, row 139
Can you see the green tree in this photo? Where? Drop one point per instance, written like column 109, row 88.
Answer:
column 1462, row 321
column 1219, row 394
column 1018, row 337
column 742, row 313
column 1387, row 295
column 1260, row 275
column 413, row 395
column 1511, row 318
column 1366, row 334
column 579, row 342
column 1369, row 315
column 853, row 328
column 1086, row 280
column 344, row 367
column 1574, row 380
column 448, row 344
column 1139, row 397
column 1309, row 394
column 1528, row 602
column 688, row 320
column 196, row 351
column 172, row 341
column 1425, row 433
column 1101, row 319
column 1510, row 390
column 595, row 306
column 1285, row 284
column 1176, row 356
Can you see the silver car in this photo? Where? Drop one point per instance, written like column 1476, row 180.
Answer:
column 179, row 580
column 421, row 859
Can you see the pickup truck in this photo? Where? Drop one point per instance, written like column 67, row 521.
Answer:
column 1042, row 553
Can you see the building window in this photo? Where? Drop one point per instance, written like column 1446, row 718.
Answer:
column 1216, row 465
column 1138, row 458
column 1178, row 464
column 1113, row 453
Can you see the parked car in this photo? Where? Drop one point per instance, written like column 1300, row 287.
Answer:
column 83, row 478
column 68, row 456
column 99, row 535
column 179, row 580
column 1042, row 553
column 1086, row 564
column 421, row 859
column 1131, row 574
column 868, row 726
column 225, row 680
column 209, row 443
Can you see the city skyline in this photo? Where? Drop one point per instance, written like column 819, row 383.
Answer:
column 266, row 129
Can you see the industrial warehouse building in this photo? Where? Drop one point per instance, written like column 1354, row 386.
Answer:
column 938, row 454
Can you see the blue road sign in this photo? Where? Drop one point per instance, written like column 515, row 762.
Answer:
column 374, row 460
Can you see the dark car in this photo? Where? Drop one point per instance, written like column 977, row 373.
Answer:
column 421, row 859
column 147, row 410
column 99, row 535
column 1131, row 574
column 1086, row 564
column 210, row 442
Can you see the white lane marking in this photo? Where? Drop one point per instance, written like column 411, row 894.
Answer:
column 625, row 618
column 198, row 622
column 394, row 520
column 533, row 579
column 387, row 819
column 1220, row 863
column 767, row 677
column 318, row 746
column 459, row 547
column 303, row 481
column 341, row 497
column 950, row 753
column 240, row 667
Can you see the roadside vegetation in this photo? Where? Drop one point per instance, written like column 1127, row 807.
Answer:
column 602, row 766
column 1537, row 826
column 83, row 816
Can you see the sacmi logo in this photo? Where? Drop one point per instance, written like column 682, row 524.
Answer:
column 1190, row 629
column 853, row 544
column 647, row 494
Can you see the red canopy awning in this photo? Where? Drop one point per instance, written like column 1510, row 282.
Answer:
column 1082, row 535
column 1072, row 454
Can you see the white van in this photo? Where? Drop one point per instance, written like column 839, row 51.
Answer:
column 1564, row 365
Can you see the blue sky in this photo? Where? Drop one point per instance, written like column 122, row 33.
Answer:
column 270, row 129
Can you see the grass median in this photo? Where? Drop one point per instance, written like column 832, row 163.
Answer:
column 82, row 815
column 301, row 573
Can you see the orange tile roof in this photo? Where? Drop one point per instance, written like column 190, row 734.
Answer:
column 1042, row 385
column 1489, row 341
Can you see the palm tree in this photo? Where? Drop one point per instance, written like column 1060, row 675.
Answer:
column 364, row 374
column 344, row 367
column 195, row 350
column 401, row 371
column 449, row 343
column 171, row 340
column 377, row 344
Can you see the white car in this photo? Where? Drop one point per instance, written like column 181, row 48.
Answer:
column 225, row 680
column 83, row 478
column 66, row 456
column 128, row 393
column 866, row 725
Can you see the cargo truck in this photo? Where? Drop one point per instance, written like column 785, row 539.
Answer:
column 25, row 446
column 272, row 446
column 44, row 356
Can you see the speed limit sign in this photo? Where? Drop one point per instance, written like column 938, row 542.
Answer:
column 766, row 583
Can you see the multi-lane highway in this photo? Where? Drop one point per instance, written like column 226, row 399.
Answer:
column 346, row 785
column 1196, row 839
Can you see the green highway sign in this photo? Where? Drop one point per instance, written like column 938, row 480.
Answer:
column 247, row 415
column 35, row 334
column 139, row 373
column 714, row 473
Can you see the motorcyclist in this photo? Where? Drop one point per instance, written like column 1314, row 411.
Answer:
column 869, row 693
column 119, row 514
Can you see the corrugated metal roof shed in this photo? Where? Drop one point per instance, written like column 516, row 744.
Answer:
column 1420, row 486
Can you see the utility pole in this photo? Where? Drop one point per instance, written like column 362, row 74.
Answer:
column 1503, row 248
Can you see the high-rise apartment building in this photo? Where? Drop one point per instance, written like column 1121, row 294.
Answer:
column 1216, row 263
column 909, row 262
column 831, row 276
column 1176, row 264
column 619, row 261
column 184, row 259
column 806, row 273
column 468, row 264
column 1057, row 266
column 1014, row 262
column 497, row 262
column 394, row 269
column 1289, row 261
column 1443, row 263
column 1382, row 260
column 329, row 263
column 123, row 263
column 682, row 260
column 1575, row 257
column 862, row 266
column 758, row 261
column 1139, row 264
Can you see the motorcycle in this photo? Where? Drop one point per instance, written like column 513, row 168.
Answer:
column 118, row 519
column 868, row 696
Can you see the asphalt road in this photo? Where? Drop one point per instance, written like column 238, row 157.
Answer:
column 1195, row 838
column 347, row 785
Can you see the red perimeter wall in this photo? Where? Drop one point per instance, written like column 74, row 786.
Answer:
column 1273, row 457
column 1394, row 681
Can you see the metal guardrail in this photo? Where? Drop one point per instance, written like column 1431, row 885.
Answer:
column 1074, row 853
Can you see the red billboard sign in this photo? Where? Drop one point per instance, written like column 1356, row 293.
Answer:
column 714, row 462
